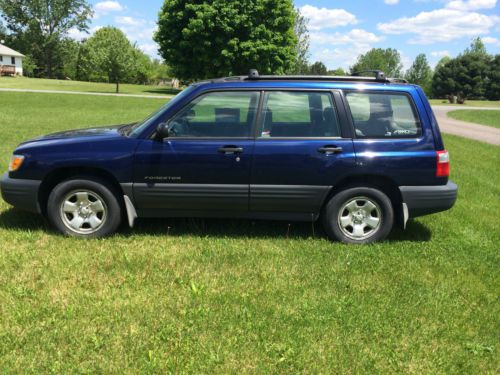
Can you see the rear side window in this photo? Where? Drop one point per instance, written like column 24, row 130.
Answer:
column 383, row 115
column 299, row 115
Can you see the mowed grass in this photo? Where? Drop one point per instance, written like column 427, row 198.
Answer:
column 230, row 296
column 489, row 118
column 95, row 87
column 468, row 103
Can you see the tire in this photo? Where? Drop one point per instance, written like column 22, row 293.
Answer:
column 358, row 215
column 85, row 208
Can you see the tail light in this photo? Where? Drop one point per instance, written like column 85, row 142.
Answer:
column 442, row 164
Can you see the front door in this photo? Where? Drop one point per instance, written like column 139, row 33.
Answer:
column 299, row 153
column 203, row 167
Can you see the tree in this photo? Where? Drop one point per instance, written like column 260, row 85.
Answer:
column 318, row 69
column 29, row 66
column 301, row 64
column 217, row 38
column 471, row 75
column 39, row 26
column 111, row 54
column 464, row 77
column 420, row 73
column 388, row 60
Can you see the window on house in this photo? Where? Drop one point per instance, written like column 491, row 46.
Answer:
column 13, row 60
column 1, row 58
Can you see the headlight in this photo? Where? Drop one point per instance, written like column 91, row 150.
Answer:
column 15, row 162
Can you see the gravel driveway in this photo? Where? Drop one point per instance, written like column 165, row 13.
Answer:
column 478, row 132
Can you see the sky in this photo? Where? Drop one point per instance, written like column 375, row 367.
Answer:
column 340, row 30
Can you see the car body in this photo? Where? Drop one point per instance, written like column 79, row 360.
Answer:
column 259, row 147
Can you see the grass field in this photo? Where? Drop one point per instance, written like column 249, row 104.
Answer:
column 468, row 103
column 230, row 296
column 63, row 85
column 489, row 118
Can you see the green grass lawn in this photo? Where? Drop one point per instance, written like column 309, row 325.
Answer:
column 468, row 103
column 63, row 85
column 232, row 296
column 489, row 118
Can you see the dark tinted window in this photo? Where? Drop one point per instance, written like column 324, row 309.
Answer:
column 217, row 114
column 378, row 115
column 299, row 114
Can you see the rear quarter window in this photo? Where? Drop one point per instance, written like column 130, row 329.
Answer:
column 383, row 115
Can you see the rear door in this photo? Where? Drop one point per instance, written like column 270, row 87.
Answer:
column 300, row 152
column 203, row 167
column 391, row 138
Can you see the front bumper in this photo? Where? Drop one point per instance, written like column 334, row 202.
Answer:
column 425, row 200
column 22, row 194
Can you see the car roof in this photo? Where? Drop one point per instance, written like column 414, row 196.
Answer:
column 313, row 84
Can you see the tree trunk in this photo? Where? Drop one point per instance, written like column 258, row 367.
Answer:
column 117, row 87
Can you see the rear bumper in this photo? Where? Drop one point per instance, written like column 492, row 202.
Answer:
column 22, row 194
column 425, row 200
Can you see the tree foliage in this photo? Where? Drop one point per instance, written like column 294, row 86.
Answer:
column 37, row 27
column 420, row 73
column 493, row 84
column 318, row 69
column 205, row 38
column 388, row 60
column 337, row 72
column 301, row 63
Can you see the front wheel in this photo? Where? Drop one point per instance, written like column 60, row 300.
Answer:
column 84, row 208
column 358, row 215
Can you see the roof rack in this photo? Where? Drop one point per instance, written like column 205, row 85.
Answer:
column 253, row 75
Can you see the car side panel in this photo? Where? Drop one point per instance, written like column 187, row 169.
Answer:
column 406, row 161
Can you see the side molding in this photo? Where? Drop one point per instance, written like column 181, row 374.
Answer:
column 131, row 212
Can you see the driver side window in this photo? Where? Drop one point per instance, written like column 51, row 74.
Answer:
column 229, row 114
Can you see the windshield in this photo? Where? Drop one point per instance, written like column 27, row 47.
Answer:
column 141, row 125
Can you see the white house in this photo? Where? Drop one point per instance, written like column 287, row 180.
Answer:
column 11, row 62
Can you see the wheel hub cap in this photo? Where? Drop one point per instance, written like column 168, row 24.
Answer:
column 83, row 212
column 360, row 218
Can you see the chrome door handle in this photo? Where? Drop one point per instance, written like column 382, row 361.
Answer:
column 231, row 150
column 330, row 150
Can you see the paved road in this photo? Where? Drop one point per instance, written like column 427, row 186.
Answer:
column 87, row 93
column 478, row 132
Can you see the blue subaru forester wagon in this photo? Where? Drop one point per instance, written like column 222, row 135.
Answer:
column 360, row 153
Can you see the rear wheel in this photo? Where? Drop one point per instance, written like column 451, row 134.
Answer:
column 358, row 215
column 84, row 208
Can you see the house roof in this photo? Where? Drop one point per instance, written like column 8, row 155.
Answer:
column 6, row 51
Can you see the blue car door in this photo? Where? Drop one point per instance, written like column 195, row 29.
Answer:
column 300, row 153
column 203, row 167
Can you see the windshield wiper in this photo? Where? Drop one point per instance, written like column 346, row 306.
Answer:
column 126, row 129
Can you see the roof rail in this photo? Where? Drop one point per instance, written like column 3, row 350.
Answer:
column 379, row 74
column 253, row 75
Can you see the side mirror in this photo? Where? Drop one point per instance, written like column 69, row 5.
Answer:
column 162, row 131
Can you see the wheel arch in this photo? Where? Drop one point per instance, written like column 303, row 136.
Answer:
column 59, row 175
